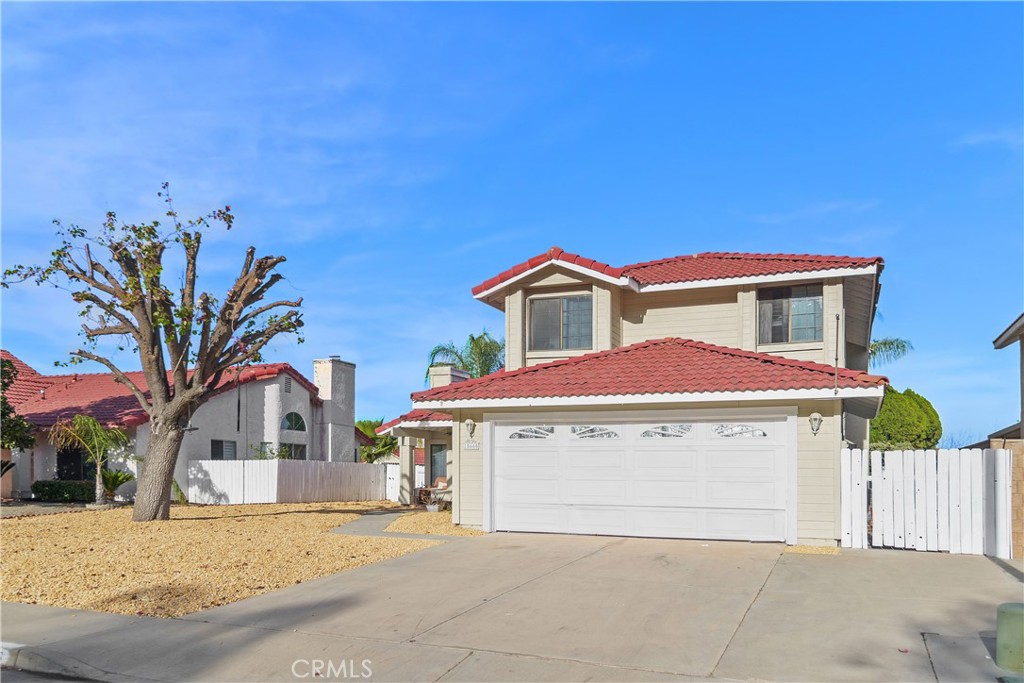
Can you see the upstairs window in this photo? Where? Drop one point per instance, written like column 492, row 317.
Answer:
column 789, row 314
column 294, row 422
column 562, row 323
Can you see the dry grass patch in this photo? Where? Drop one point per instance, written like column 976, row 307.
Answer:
column 202, row 557
column 430, row 523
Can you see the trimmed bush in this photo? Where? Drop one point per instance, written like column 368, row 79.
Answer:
column 54, row 491
column 906, row 421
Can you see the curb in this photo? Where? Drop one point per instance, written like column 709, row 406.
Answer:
column 37, row 660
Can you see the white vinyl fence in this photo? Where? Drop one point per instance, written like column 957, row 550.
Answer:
column 955, row 501
column 229, row 482
column 394, row 476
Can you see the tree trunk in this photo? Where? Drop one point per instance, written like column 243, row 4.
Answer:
column 100, row 497
column 153, row 498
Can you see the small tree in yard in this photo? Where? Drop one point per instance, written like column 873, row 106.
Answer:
column 383, row 444
column 15, row 431
column 186, row 339
column 97, row 441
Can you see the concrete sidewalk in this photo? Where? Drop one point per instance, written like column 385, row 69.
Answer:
column 536, row 607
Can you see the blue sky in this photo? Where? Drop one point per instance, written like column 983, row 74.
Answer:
column 399, row 154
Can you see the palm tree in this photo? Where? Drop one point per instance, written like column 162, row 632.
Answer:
column 481, row 355
column 888, row 349
column 85, row 432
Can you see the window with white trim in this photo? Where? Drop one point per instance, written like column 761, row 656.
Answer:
column 541, row 432
column 592, row 432
column 561, row 323
column 294, row 422
column 741, row 431
column 669, row 431
column 789, row 314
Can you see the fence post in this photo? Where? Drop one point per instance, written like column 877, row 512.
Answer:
column 1002, row 502
column 845, row 498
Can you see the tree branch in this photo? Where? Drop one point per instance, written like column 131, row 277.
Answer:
column 119, row 376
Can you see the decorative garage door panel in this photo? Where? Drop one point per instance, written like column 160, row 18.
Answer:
column 720, row 479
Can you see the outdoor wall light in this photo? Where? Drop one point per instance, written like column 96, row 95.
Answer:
column 815, row 419
column 470, row 427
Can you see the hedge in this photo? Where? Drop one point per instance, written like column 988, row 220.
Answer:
column 906, row 421
column 54, row 491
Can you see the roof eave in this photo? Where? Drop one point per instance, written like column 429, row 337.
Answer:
column 428, row 424
column 871, row 269
column 823, row 394
column 486, row 294
column 1011, row 333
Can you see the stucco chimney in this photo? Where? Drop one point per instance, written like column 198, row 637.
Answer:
column 336, row 380
column 443, row 375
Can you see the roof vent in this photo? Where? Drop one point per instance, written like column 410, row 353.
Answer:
column 287, row 385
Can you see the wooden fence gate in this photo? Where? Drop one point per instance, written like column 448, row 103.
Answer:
column 955, row 501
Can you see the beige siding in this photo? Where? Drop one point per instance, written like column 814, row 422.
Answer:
column 817, row 474
column 616, row 317
column 515, row 330
column 553, row 277
column 467, row 505
column 708, row 315
column 747, row 318
column 602, row 317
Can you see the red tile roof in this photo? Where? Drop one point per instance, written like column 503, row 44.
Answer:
column 720, row 265
column 692, row 268
column 417, row 415
column 98, row 395
column 661, row 366
column 552, row 254
column 28, row 383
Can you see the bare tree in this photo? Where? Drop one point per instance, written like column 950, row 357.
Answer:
column 185, row 339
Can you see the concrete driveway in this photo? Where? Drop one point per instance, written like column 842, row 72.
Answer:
column 518, row 607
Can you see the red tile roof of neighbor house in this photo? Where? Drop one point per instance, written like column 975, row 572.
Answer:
column 417, row 415
column 98, row 395
column 691, row 268
column 27, row 384
column 661, row 366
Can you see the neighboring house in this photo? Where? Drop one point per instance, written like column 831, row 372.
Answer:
column 1012, row 437
column 267, row 406
column 703, row 396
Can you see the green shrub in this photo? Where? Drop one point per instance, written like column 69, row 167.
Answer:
column 932, row 423
column 113, row 480
column 906, row 421
column 53, row 491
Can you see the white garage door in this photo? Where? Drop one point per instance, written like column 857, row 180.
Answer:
column 720, row 479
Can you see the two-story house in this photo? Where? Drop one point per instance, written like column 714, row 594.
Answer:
column 703, row 396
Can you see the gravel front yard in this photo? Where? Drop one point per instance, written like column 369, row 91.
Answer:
column 430, row 523
column 204, row 556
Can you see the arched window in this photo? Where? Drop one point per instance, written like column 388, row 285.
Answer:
column 294, row 422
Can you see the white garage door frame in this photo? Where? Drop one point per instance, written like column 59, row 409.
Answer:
column 786, row 414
